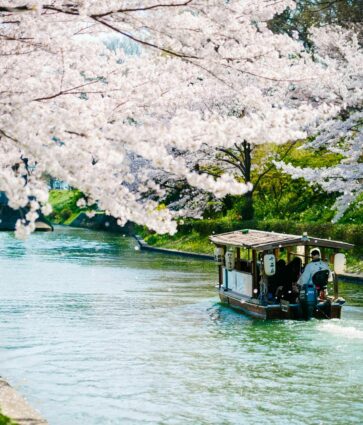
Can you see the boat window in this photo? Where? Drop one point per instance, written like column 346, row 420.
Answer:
column 243, row 266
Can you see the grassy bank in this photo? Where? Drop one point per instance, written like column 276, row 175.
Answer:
column 64, row 204
column 193, row 235
column 192, row 242
column 67, row 212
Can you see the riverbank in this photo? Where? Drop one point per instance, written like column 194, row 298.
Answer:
column 14, row 409
column 145, row 246
column 193, row 236
column 68, row 213
column 347, row 277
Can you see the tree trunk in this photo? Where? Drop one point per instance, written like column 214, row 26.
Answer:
column 247, row 210
column 240, row 157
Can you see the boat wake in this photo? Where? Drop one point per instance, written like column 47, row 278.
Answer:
column 348, row 331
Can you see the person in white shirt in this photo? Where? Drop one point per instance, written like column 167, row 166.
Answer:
column 314, row 266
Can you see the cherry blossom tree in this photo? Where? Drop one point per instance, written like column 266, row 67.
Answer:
column 206, row 73
column 345, row 138
column 248, row 163
column 342, row 135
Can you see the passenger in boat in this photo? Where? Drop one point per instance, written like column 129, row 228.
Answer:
column 288, row 281
column 292, row 275
column 316, row 265
column 276, row 282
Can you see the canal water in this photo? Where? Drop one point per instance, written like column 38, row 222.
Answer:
column 94, row 332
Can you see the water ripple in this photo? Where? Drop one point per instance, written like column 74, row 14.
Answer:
column 94, row 333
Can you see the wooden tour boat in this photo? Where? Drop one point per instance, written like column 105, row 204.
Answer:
column 248, row 263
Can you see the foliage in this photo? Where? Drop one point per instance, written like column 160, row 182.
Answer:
column 343, row 137
column 322, row 157
column 64, row 205
column 193, row 235
column 282, row 204
column 310, row 13
column 352, row 233
column 191, row 242
column 354, row 214
column 274, row 195
column 4, row 420
column 344, row 134
column 278, row 195
column 281, row 197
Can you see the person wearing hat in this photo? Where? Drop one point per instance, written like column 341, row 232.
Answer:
column 316, row 265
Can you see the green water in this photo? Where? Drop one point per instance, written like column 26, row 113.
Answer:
column 94, row 332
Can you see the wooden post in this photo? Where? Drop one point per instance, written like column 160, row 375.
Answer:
column 220, row 276
column 306, row 255
column 323, row 254
column 220, row 268
column 254, row 271
column 288, row 254
column 277, row 253
column 238, row 259
column 336, row 286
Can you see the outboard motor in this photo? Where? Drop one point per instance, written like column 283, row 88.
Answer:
column 308, row 300
column 310, row 291
column 320, row 280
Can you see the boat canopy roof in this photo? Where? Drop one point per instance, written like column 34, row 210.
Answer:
column 262, row 241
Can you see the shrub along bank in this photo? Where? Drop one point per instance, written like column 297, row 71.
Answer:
column 4, row 420
column 67, row 212
column 64, row 205
column 193, row 235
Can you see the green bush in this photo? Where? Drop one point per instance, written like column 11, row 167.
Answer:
column 4, row 420
column 65, row 214
column 151, row 239
column 64, row 205
column 193, row 234
column 354, row 213
column 352, row 233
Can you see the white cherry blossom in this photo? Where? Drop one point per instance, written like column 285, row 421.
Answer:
column 203, row 73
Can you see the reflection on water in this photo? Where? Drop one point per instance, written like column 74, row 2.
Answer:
column 94, row 332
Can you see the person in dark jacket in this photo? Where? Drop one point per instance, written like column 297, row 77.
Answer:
column 292, row 275
column 277, row 280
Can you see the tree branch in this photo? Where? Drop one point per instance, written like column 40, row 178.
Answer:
column 260, row 177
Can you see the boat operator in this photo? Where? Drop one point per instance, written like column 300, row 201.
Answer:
column 316, row 265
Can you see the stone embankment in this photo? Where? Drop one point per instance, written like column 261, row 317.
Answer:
column 15, row 407
column 144, row 246
column 352, row 277
column 101, row 222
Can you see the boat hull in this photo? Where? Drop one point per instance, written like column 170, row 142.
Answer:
column 282, row 311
